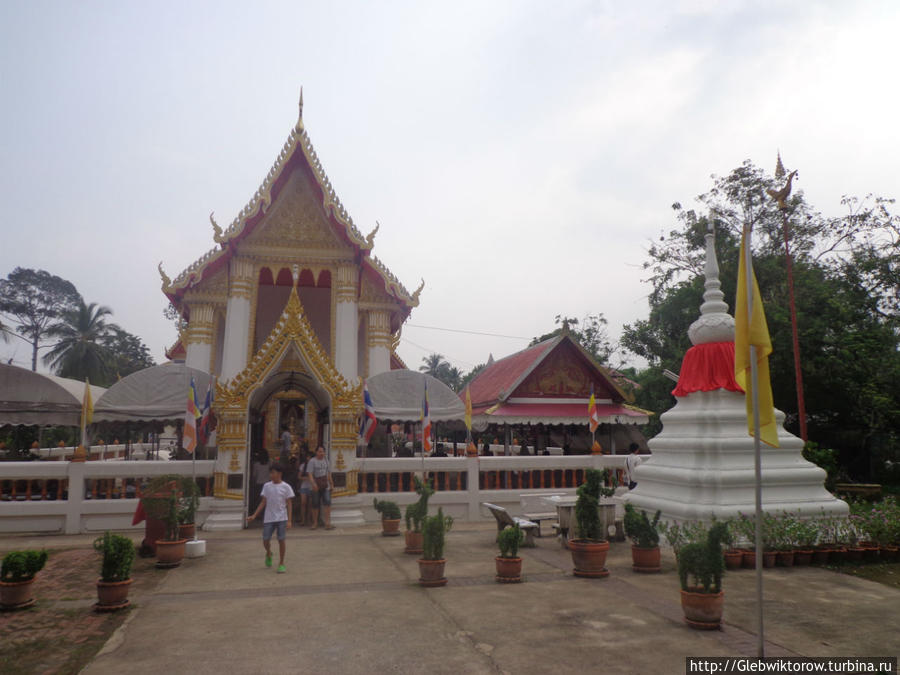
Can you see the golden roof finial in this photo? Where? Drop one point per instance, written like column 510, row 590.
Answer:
column 370, row 238
column 415, row 296
column 217, row 231
column 166, row 281
column 779, row 167
column 300, row 104
column 780, row 196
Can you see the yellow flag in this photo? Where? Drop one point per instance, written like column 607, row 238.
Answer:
column 754, row 331
column 468, row 409
column 87, row 405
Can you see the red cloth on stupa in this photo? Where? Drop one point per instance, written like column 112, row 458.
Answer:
column 707, row 367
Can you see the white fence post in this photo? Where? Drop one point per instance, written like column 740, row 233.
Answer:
column 473, row 491
column 74, row 504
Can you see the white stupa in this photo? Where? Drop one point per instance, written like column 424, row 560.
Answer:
column 703, row 460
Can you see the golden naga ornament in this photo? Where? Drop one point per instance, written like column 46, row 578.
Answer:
column 218, row 235
column 166, row 281
column 418, row 292
column 780, row 196
column 370, row 238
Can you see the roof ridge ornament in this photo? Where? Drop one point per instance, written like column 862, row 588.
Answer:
column 218, row 236
column 417, row 293
column 300, row 109
column 166, row 281
column 370, row 238
column 715, row 323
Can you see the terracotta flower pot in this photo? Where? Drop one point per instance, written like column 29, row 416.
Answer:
column 748, row 559
column 802, row 557
column 890, row 553
column 645, row 560
column 854, row 554
column 702, row 611
column 734, row 559
column 769, row 558
column 821, row 556
column 431, row 572
column 16, row 594
column 589, row 557
column 413, row 542
column 871, row 554
column 837, row 555
column 187, row 531
column 112, row 595
column 785, row 558
column 509, row 570
column 169, row 553
column 390, row 528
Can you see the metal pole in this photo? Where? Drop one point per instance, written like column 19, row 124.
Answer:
column 757, row 450
column 798, row 370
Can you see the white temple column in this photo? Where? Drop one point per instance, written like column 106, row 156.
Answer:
column 237, row 318
column 199, row 335
column 346, row 322
column 379, row 341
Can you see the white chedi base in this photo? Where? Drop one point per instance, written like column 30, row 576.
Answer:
column 703, row 465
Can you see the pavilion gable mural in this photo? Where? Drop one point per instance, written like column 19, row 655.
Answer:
column 564, row 373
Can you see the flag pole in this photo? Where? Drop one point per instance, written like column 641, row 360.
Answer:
column 757, row 447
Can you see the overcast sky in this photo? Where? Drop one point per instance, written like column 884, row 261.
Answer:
column 519, row 155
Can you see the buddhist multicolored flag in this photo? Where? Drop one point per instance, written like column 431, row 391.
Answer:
column 593, row 416
column 191, row 415
column 205, row 428
column 750, row 328
column 468, row 410
column 426, row 423
column 369, row 421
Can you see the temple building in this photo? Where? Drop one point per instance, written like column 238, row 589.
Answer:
column 290, row 310
column 540, row 396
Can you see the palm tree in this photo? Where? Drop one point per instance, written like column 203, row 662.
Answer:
column 80, row 351
column 434, row 365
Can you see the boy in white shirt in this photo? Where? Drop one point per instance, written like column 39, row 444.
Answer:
column 276, row 500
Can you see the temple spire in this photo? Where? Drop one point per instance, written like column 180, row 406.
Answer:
column 779, row 167
column 715, row 323
column 300, row 104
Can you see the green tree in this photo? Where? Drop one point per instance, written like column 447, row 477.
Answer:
column 128, row 353
column 439, row 368
column 33, row 300
column 81, row 350
column 845, row 273
column 591, row 332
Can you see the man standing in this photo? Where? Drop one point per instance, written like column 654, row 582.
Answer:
column 319, row 471
column 276, row 500
column 632, row 461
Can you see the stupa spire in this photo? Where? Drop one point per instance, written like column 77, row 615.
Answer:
column 715, row 323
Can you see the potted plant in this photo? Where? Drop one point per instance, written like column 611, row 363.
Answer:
column 851, row 536
column 115, row 571
column 170, row 550
column 509, row 564
column 644, row 537
column 415, row 516
column 188, row 501
column 589, row 549
column 826, row 544
column 784, row 540
column 673, row 534
column 390, row 517
column 431, row 564
column 700, row 569
column 17, row 574
column 733, row 556
column 806, row 534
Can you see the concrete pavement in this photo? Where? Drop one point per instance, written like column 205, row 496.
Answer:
column 350, row 604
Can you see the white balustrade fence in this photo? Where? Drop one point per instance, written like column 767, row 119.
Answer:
column 74, row 497
column 462, row 484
